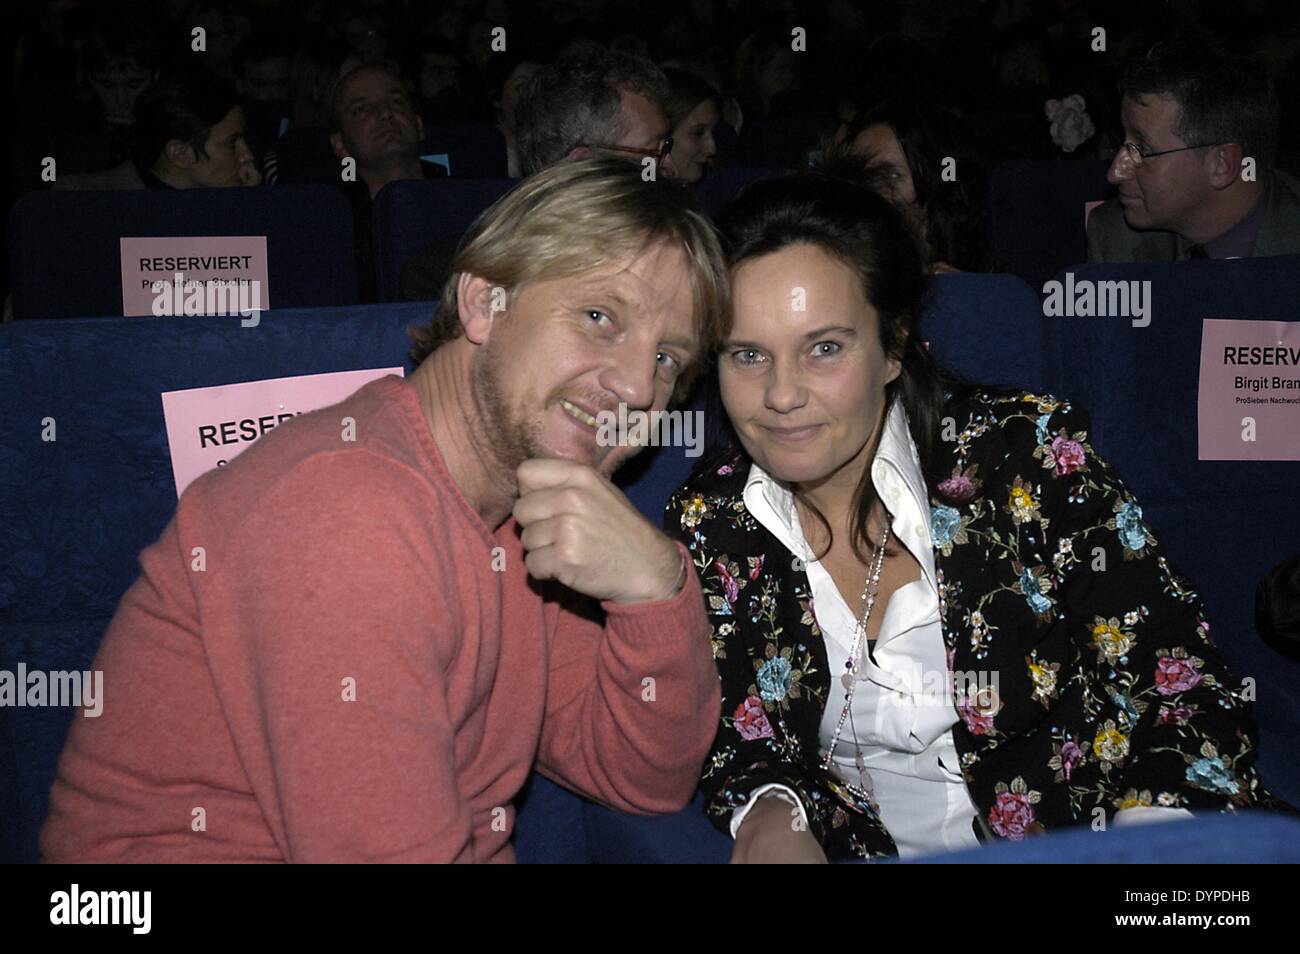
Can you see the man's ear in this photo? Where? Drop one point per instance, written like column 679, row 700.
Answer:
column 180, row 154
column 419, row 126
column 1225, row 164
column 474, row 298
column 336, row 143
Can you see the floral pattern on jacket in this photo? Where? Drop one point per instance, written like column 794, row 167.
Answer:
column 1098, row 686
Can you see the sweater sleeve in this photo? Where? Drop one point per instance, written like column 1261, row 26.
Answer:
column 334, row 633
column 631, row 704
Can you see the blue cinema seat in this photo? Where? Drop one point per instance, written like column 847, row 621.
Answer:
column 1035, row 213
column 409, row 215
column 987, row 328
column 65, row 259
column 1225, row 523
column 75, row 512
column 473, row 150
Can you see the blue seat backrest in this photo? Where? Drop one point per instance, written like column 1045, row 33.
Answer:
column 75, row 512
column 987, row 328
column 409, row 215
column 1225, row 523
column 65, row 257
column 1035, row 213
column 473, row 150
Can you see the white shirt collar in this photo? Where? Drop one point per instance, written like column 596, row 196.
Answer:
column 896, row 475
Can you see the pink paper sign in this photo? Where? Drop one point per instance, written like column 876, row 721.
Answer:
column 1249, row 403
column 209, row 427
column 195, row 275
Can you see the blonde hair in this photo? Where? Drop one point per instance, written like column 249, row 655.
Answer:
column 575, row 216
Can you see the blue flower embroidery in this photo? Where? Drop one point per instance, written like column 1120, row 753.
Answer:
column 1128, row 523
column 1036, row 600
column 1212, row 774
column 774, row 679
column 1040, row 431
column 1128, row 711
column 944, row 524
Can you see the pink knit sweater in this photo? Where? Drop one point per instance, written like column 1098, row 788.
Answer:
column 320, row 662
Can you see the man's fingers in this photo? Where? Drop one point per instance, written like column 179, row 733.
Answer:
column 540, row 504
column 541, row 534
column 541, row 473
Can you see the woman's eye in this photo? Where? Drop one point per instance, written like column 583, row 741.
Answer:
column 833, row 345
column 745, row 356
column 668, row 361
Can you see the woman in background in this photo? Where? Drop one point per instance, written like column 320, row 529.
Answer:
column 694, row 110
column 934, row 181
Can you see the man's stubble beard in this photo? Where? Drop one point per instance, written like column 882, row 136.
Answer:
column 512, row 439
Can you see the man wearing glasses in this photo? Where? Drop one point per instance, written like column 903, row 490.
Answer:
column 1195, row 173
column 585, row 103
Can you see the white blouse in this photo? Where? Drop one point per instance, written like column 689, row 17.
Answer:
column 903, row 710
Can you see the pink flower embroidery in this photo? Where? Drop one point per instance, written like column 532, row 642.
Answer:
column 751, row 721
column 1175, row 675
column 1071, row 755
column 1011, row 815
column 978, row 722
column 1070, row 455
column 730, row 588
column 958, row 489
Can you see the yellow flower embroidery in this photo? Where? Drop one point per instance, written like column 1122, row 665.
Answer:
column 1110, row 744
column 1112, row 642
column 694, row 511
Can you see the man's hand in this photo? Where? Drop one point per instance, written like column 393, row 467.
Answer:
column 770, row 835
column 581, row 530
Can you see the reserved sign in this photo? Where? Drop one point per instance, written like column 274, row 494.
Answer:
column 1249, row 399
column 210, row 427
column 194, row 275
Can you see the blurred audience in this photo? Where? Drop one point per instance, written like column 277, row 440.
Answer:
column 189, row 134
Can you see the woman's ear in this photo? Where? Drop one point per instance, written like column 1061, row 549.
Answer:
column 478, row 301
column 894, row 363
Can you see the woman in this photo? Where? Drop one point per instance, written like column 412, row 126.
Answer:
column 938, row 616
column 936, row 184
column 694, row 110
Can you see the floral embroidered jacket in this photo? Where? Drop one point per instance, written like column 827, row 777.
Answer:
column 1085, row 682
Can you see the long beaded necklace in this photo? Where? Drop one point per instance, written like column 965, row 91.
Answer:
column 849, row 679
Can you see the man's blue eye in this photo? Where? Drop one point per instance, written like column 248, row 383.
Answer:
column 831, row 344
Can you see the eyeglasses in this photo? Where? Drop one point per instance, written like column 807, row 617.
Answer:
column 660, row 154
column 1137, row 156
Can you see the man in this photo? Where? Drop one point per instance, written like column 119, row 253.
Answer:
column 590, row 102
column 395, row 614
column 263, row 65
column 189, row 134
column 375, row 125
column 1195, row 174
